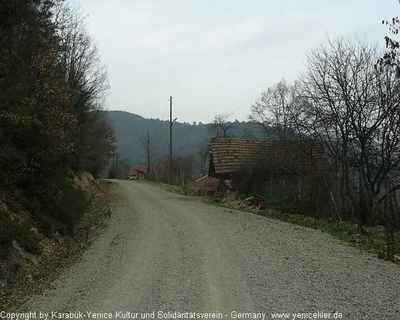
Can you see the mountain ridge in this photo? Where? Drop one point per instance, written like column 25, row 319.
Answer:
column 188, row 139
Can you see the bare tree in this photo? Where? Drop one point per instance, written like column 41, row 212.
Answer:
column 203, row 154
column 352, row 108
column 326, row 116
column 392, row 56
column 220, row 127
column 145, row 142
column 277, row 111
column 86, row 79
column 86, row 76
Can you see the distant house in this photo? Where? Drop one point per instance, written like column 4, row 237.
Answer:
column 138, row 171
column 288, row 157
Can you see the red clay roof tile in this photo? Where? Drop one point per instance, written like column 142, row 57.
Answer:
column 228, row 155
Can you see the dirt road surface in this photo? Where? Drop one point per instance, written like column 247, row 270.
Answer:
column 166, row 252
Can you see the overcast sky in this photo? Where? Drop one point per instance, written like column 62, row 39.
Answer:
column 216, row 56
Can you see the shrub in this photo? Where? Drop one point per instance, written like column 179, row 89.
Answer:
column 289, row 193
column 20, row 232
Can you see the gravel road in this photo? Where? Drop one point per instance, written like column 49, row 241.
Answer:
column 166, row 252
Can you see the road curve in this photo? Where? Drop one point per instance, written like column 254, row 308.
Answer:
column 166, row 252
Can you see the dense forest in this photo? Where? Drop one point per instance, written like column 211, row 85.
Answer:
column 52, row 126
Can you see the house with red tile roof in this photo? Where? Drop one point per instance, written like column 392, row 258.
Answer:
column 288, row 157
column 138, row 171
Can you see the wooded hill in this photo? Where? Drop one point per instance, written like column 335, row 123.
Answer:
column 52, row 128
column 188, row 139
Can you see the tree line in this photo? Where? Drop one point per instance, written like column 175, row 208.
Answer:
column 52, row 87
column 347, row 100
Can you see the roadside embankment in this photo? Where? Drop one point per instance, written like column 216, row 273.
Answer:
column 36, row 245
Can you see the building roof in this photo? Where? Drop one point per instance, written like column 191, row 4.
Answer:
column 136, row 169
column 228, row 155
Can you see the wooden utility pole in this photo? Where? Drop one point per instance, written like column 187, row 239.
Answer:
column 170, row 141
column 148, row 155
column 113, row 162
column 116, row 165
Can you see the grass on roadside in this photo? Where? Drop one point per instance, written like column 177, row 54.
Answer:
column 372, row 240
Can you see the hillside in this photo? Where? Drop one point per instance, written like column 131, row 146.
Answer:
column 188, row 139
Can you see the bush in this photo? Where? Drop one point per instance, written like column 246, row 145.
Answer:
column 288, row 193
column 20, row 232
column 65, row 208
column 69, row 207
column 57, row 207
